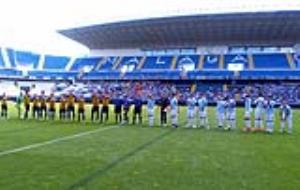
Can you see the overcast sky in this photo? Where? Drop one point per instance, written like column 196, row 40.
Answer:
column 32, row 24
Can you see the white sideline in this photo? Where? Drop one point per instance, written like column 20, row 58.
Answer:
column 37, row 145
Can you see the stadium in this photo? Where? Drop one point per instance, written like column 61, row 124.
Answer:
column 150, row 95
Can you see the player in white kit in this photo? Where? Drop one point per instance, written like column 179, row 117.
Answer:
column 286, row 117
column 191, row 105
column 202, row 109
column 270, row 114
column 231, row 114
column 150, row 109
column 248, row 111
column 259, row 111
column 174, row 111
column 220, row 111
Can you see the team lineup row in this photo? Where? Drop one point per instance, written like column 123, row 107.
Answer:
column 264, row 110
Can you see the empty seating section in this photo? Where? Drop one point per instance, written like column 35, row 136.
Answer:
column 187, row 62
column 108, row 63
column 211, row 62
column 86, row 64
column 236, row 59
column 129, row 63
column 158, row 62
column 270, row 61
column 56, row 62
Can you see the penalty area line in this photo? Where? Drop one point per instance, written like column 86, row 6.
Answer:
column 57, row 140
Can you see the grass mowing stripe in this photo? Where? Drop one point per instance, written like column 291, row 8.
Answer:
column 84, row 181
column 37, row 145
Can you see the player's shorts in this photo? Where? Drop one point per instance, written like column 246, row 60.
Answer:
column 247, row 115
column 221, row 116
column 118, row 109
column 105, row 109
column 71, row 108
column 269, row 117
column 190, row 113
column 95, row 108
column 52, row 110
column 231, row 116
column 174, row 116
column 43, row 108
column 80, row 111
column 3, row 107
column 27, row 107
column 258, row 115
column 203, row 114
column 150, row 112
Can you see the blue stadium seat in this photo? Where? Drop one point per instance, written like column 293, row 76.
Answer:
column 87, row 64
column 103, row 75
column 2, row 64
column 52, row 74
column 160, row 74
column 267, row 61
column 56, row 62
column 10, row 73
column 130, row 63
column 186, row 61
column 109, row 63
column 158, row 62
column 236, row 59
column 211, row 62
column 270, row 74
column 212, row 74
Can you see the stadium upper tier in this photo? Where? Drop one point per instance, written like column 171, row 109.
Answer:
column 263, row 65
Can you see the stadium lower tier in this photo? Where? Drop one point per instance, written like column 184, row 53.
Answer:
column 154, row 75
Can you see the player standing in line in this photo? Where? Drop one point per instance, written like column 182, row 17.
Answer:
column 248, row 111
column 71, row 106
column 286, row 116
column 126, row 108
column 270, row 112
column 164, row 103
column 202, row 109
column 137, row 110
column 26, row 104
column 4, row 106
column 95, row 107
column 19, row 101
column 35, row 107
column 174, row 111
column 52, row 101
column 43, row 106
column 191, row 105
column 118, row 109
column 151, row 110
column 62, row 107
column 105, row 108
column 81, row 108
column 259, row 111
column 231, row 113
column 221, row 110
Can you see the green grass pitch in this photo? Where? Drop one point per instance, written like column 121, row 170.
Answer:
column 58, row 155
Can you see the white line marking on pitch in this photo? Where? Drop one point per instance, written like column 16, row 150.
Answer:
column 37, row 145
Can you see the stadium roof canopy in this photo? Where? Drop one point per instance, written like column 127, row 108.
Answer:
column 280, row 28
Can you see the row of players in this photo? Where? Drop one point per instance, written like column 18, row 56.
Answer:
column 43, row 107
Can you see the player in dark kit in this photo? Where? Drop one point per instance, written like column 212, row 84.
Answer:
column 62, row 107
column 137, row 112
column 26, row 104
column 51, row 107
column 43, row 106
column 95, row 107
column 164, row 103
column 118, row 109
column 35, row 107
column 81, row 110
column 126, row 107
column 4, row 106
column 71, row 106
column 105, row 108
